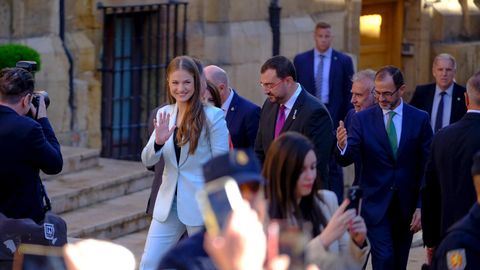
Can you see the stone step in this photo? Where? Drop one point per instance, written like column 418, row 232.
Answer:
column 75, row 159
column 135, row 242
column 109, row 219
column 110, row 179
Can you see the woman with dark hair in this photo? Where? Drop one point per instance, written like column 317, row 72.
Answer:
column 290, row 169
column 212, row 95
column 187, row 134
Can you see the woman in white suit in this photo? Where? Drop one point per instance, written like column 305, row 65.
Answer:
column 290, row 170
column 187, row 134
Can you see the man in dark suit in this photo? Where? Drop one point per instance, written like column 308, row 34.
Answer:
column 460, row 248
column 392, row 140
column 326, row 74
column 363, row 83
column 289, row 107
column 242, row 116
column 27, row 146
column 449, row 193
column 444, row 96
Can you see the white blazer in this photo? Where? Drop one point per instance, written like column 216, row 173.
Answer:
column 185, row 176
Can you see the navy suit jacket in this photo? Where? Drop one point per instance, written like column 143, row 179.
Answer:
column 242, row 121
column 341, row 72
column 423, row 99
column 449, row 192
column 308, row 117
column 26, row 146
column 382, row 174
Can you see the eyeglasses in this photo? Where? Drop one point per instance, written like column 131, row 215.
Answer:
column 270, row 86
column 384, row 94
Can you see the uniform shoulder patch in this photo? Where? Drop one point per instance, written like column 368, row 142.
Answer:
column 456, row 259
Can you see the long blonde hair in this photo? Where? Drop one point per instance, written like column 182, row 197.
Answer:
column 194, row 119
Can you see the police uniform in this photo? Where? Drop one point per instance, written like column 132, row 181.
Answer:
column 460, row 249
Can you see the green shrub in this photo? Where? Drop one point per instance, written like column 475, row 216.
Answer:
column 10, row 54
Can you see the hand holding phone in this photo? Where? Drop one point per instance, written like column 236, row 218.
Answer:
column 217, row 200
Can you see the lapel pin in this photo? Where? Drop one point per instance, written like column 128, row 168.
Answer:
column 458, row 99
column 232, row 109
column 294, row 114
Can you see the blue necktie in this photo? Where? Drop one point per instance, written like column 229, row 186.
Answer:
column 439, row 118
column 319, row 77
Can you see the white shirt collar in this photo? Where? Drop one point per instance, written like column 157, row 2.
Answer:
column 327, row 53
column 398, row 110
column 289, row 104
column 449, row 90
column 227, row 102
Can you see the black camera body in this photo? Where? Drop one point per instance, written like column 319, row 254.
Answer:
column 32, row 67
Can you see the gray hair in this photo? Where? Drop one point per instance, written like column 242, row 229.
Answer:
column 445, row 56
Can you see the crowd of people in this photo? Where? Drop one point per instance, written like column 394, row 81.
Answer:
column 413, row 164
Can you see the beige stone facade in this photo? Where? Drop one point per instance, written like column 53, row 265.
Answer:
column 232, row 34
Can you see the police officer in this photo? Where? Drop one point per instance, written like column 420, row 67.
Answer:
column 460, row 249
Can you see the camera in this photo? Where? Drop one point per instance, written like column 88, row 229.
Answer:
column 32, row 67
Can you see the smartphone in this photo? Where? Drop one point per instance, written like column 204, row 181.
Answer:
column 355, row 194
column 217, row 200
column 37, row 257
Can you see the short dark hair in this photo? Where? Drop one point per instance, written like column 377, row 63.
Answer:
column 392, row 71
column 15, row 83
column 282, row 65
column 322, row 25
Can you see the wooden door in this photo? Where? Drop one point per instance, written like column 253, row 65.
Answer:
column 380, row 33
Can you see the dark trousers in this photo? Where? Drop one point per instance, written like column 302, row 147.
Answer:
column 390, row 239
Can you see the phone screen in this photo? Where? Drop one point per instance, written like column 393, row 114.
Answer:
column 36, row 257
column 216, row 201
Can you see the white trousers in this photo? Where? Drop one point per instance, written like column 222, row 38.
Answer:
column 162, row 236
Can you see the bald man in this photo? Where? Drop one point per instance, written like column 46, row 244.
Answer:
column 242, row 116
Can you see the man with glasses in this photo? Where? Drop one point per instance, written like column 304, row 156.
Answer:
column 289, row 107
column 27, row 146
column 392, row 140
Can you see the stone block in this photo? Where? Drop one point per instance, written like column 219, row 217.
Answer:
column 53, row 77
column 245, row 78
column 215, row 11
column 448, row 21
column 83, row 51
column 337, row 21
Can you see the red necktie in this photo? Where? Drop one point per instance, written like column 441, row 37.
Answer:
column 280, row 120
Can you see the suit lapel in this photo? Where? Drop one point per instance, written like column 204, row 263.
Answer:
column 310, row 70
column 405, row 129
column 169, row 147
column 271, row 121
column 232, row 110
column 429, row 99
column 297, row 106
column 458, row 104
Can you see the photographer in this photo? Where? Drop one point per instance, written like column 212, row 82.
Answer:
column 27, row 146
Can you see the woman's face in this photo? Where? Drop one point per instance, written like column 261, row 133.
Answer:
column 307, row 177
column 181, row 84
column 207, row 98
